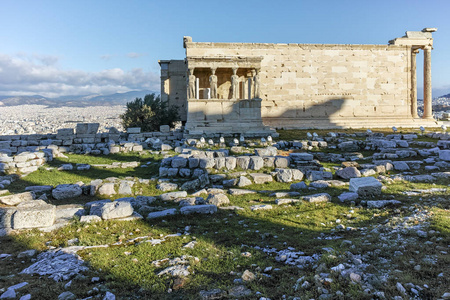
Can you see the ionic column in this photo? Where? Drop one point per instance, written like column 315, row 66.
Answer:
column 427, row 97
column 414, row 83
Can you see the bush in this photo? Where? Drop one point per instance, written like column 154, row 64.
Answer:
column 149, row 113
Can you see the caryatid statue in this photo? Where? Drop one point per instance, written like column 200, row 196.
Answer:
column 191, row 84
column 213, row 83
column 256, row 85
column 234, row 85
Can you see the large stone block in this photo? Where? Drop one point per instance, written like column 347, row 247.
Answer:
column 283, row 175
column 444, row 155
column 69, row 211
column 65, row 191
column 87, row 128
column 281, row 162
column 179, row 162
column 349, row 172
column 260, row 178
column 243, row 162
column 256, row 163
column 217, row 199
column 112, row 210
column 107, row 189
column 207, row 163
column 301, row 156
column 365, row 186
column 230, row 162
column 33, row 214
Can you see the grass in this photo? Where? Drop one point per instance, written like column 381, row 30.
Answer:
column 229, row 242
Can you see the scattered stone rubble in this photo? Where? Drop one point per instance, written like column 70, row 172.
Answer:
column 207, row 176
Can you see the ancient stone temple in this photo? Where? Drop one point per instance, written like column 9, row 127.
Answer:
column 248, row 88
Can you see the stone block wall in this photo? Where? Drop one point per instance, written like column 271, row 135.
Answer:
column 303, row 85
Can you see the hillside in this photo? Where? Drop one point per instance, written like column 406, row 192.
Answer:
column 74, row 101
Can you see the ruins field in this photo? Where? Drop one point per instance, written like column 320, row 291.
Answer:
column 345, row 214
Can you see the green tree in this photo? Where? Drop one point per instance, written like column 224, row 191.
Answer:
column 149, row 113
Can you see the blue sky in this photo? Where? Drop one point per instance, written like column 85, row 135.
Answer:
column 62, row 47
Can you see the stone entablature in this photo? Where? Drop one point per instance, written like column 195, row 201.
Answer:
column 308, row 85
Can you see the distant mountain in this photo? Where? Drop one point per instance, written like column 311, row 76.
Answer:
column 445, row 96
column 77, row 101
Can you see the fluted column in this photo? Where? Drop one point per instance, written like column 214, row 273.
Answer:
column 427, row 96
column 414, row 83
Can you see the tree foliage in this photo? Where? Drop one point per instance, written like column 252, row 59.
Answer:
column 149, row 113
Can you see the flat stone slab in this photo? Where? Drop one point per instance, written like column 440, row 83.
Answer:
column 285, row 194
column 163, row 213
column 199, row 209
column 173, row 195
column 39, row 188
column 261, row 207
column 17, row 198
column 317, row 198
column 382, row 203
column 260, row 178
column 365, row 186
column 167, row 186
column 348, row 197
column 286, row 201
column 233, row 207
column 69, row 211
column 302, row 156
column 238, row 192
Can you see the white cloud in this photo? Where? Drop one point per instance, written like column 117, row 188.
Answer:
column 136, row 55
column 31, row 75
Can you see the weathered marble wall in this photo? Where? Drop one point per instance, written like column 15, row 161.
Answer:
column 323, row 85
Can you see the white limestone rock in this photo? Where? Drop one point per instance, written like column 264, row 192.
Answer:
column 218, row 199
column 163, row 213
column 382, row 203
column 348, row 197
column 400, row 166
column 167, row 186
column 261, row 207
column 33, row 214
column 17, row 198
column 243, row 181
column 173, row 195
column 90, row 219
column 316, row 198
column 298, row 186
column 348, row 172
column 260, row 178
column 365, row 186
column 283, row 175
column 444, row 155
column 112, row 210
column 200, row 209
column 283, row 201
column 65, row 191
